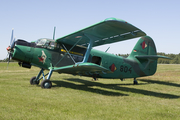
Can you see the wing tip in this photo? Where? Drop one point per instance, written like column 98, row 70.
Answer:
column 114, row 19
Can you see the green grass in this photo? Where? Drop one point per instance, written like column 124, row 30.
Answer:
column 79, row 98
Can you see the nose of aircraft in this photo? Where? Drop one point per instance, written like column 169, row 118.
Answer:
column 11, row 46
column 20, row 50
column 8, row 48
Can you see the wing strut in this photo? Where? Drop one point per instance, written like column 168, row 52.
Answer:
column 107, row 49
column 86, row 56
column 91, row 41
column 69, row 51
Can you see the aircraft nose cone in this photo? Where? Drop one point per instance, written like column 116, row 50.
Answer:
column 8, row 48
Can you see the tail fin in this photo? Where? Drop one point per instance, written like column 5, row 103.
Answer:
column 145, row 46
column 145, row 54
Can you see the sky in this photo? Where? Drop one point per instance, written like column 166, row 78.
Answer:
column 34, row 19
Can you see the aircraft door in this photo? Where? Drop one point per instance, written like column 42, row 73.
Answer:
column 105, row 61
column 96, row 60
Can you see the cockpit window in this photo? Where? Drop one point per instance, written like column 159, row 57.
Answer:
column 46, row 43
column 41, row 42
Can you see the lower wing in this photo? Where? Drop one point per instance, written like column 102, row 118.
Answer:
column 85, row 69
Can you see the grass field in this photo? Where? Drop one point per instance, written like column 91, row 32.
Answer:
column 79, row 98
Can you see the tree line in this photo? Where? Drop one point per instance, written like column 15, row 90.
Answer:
column 6, row 60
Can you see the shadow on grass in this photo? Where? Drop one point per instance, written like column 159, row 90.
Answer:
column 160, row 82
column 87, row 86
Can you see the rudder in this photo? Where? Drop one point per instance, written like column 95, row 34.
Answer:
column 144, row 46
column 144, row 53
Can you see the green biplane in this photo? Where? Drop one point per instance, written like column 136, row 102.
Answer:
column 73, row 53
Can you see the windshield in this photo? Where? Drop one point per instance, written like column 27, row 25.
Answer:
column 41, row 42
column 46, row 43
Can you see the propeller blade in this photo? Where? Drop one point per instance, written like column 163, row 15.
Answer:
column 8, row 59
column 9, row 49
column 12, row 36
column 7, row 55
column 12, row 45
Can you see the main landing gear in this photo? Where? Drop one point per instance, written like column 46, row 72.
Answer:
column 46, row 83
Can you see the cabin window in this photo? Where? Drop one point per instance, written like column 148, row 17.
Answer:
column 56, row 45
column 47, row 43
column 50, row 44
column 96, row 60
column 77, row 58
column 40, row 42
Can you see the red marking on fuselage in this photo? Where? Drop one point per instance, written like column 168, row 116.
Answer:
column 41, row 59
column 112, row 67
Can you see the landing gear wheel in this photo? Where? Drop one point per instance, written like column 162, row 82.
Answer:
column 46, row 84
column 135, row 81
column 33, row 81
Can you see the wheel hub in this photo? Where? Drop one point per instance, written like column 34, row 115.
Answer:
column 46, row 85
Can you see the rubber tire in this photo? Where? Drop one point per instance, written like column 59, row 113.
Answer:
column 33, row 82
column 135, row 82
column 46, row 84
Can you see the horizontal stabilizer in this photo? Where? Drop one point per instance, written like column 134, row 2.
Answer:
column 152, row 57
column 86, row 69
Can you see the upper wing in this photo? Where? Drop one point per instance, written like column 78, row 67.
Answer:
column 108, row 31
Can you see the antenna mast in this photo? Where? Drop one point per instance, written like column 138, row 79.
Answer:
column 54, row 33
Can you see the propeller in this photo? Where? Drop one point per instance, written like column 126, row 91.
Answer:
column 10, row 47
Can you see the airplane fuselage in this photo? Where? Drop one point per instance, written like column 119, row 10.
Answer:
column 57, row 56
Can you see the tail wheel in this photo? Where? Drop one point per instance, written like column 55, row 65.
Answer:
column 46, row 84
column 33, row 81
